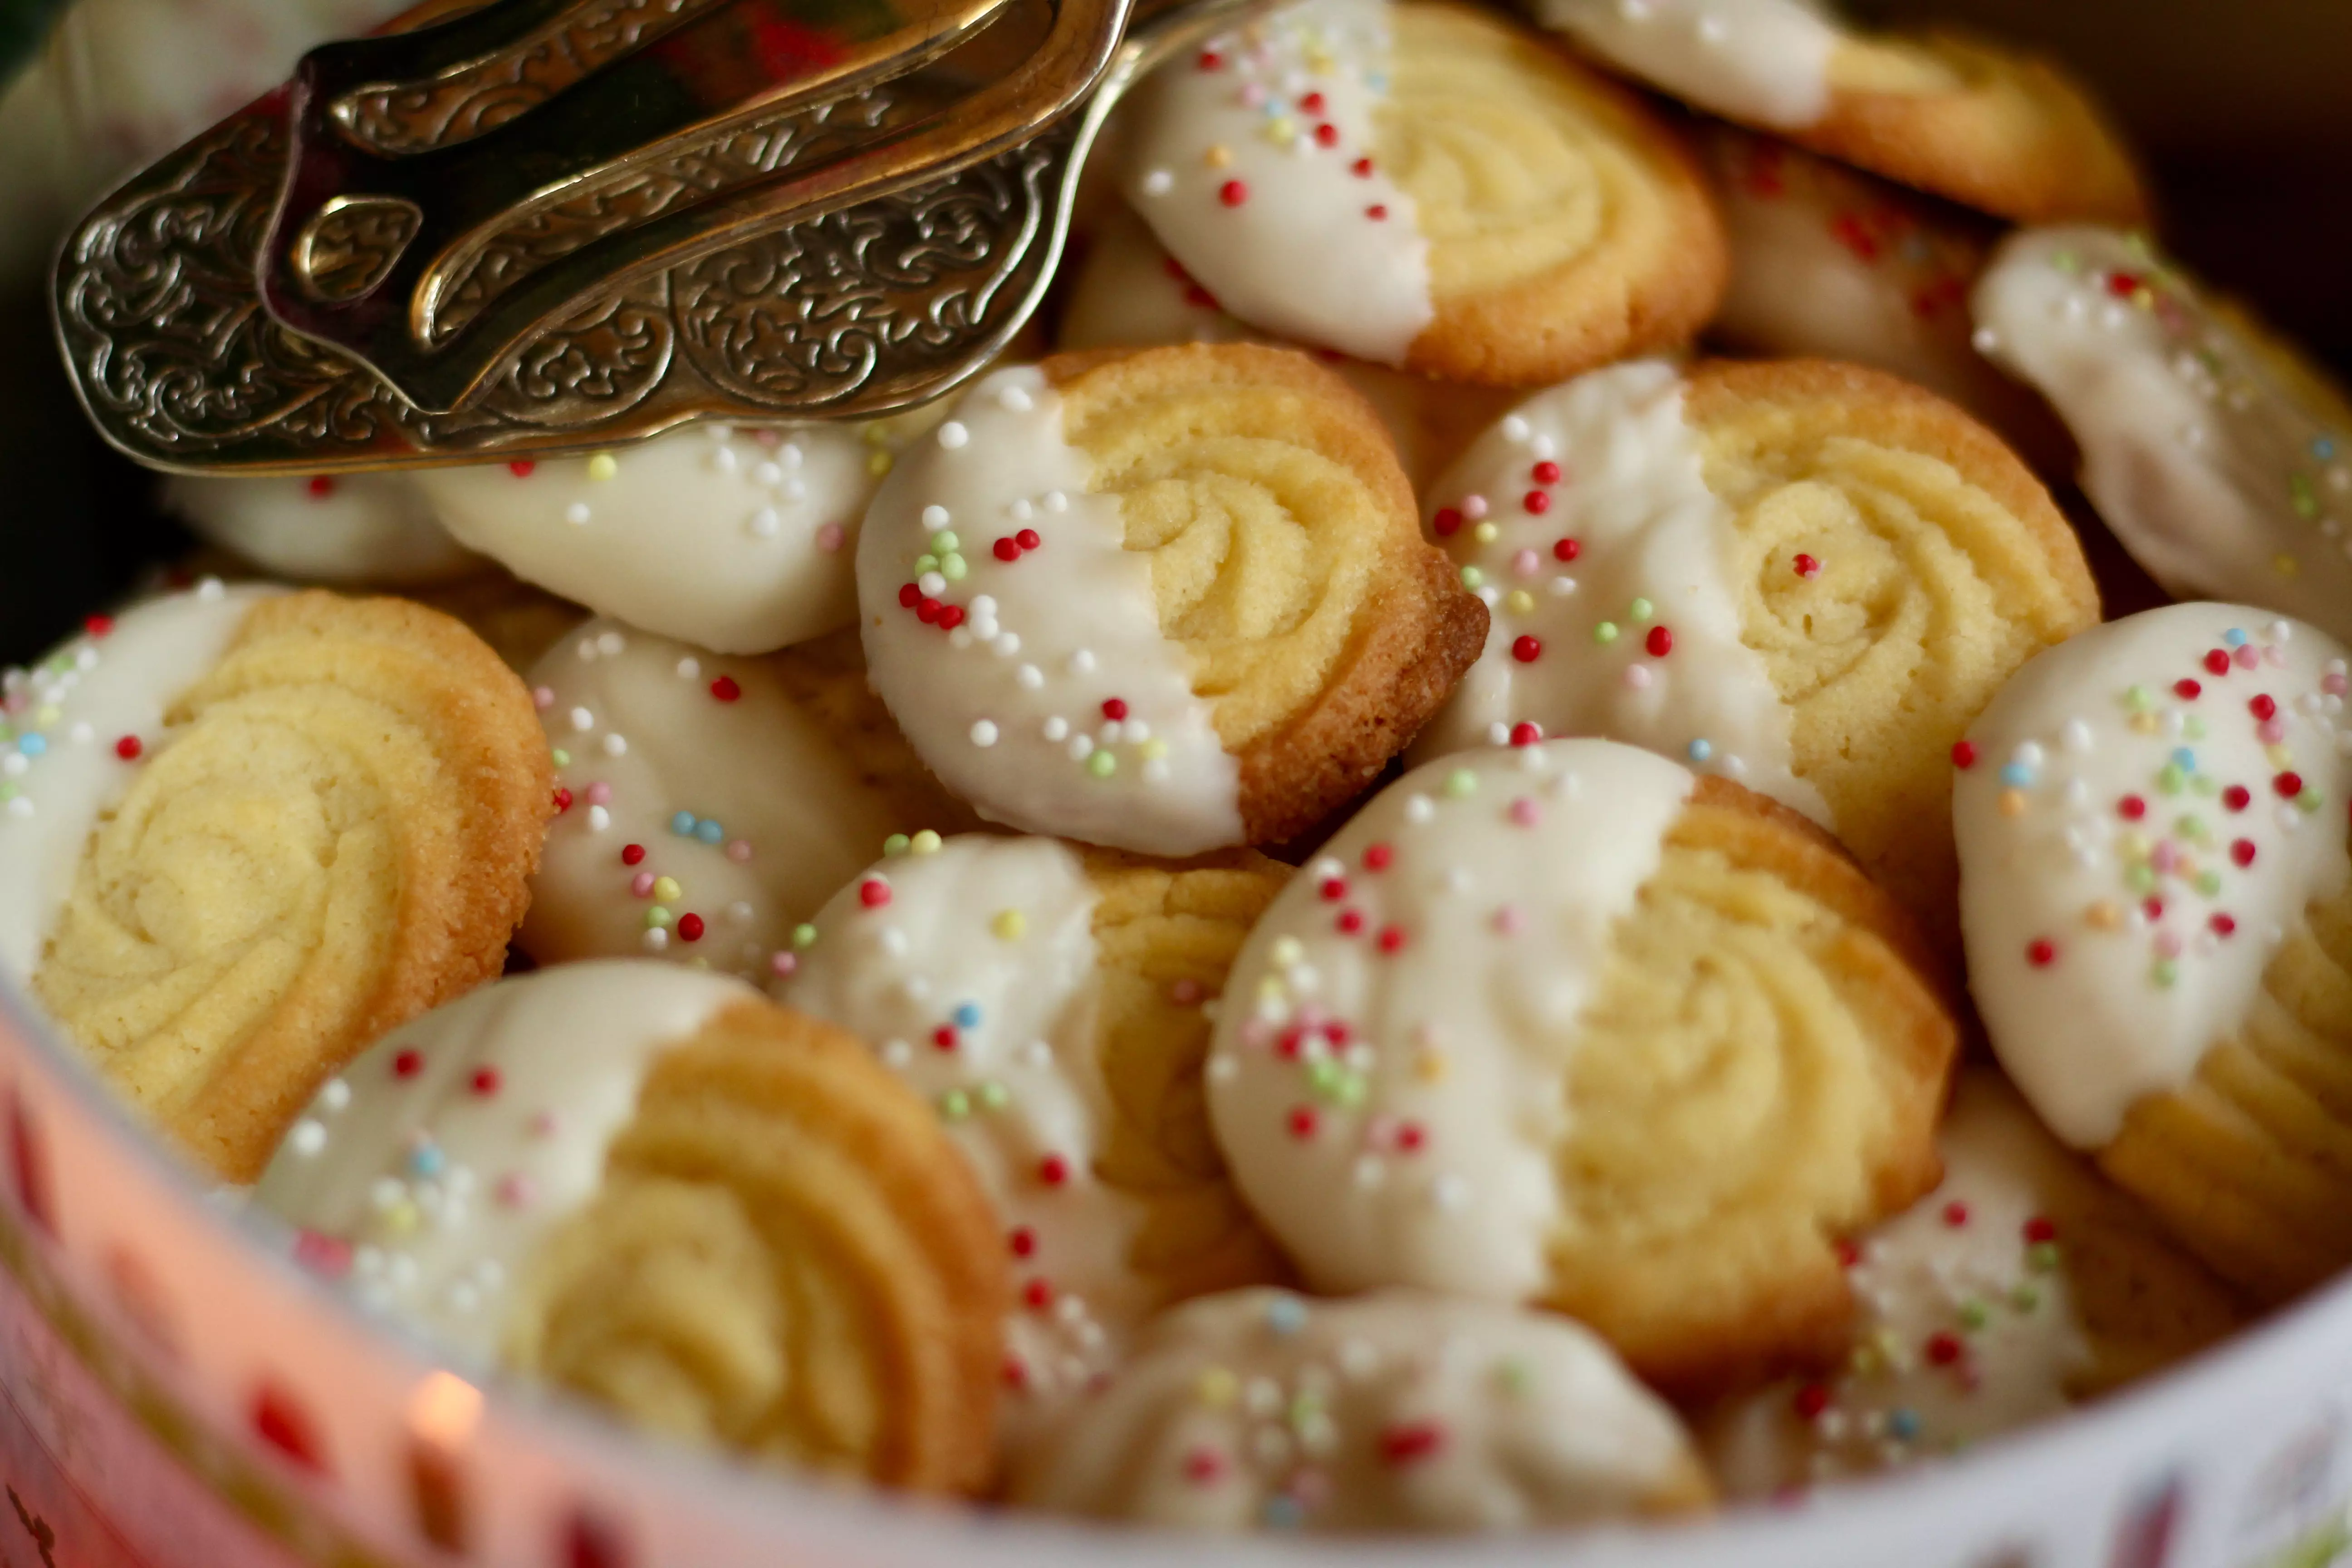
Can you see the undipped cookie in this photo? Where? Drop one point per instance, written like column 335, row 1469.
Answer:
column 373, row 529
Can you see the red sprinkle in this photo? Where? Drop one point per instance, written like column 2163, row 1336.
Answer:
column 2289, row 785
column 1361, row 168
column 725, row 689
column 1006, row 549
column 284, row 1426
column 562, row 801
column 1660, row 642
column 1015, row 1372
column 1334, row 889
column 1210, row 59
column 1525, row 733
column 1233, row 193
column 631, row 854
column 2155, row 908
column 1811, row 1401
column 1054, row 1170
column 2040, row 953
column 1203, row 1466
column 1377, row 858
column 2242, row 852
column 2223, row 925
column 1037, row 1295
column 522, row 467
column 486, row 1081
column 1808, row 567
column 1377, row 212
column 2262, row 707
column 1411, row 1440
column 1848, row 1254
column 1024, row 1242
column 97, row 626
column 1392, row 938
column 1303, row 1121
column 951, row 617
column 1537, row 501
column 2237, row 797
column 1527, row 650
column 909, row 596
column 1546, row 472
column 1312, row 103
column 944, row 1037
column 1448, row 521
column 1114, row 709
column 407, row 1064
column 1351, row 922
column 128, row 748
column 2123, row 285
column 1956, row 1214
column 2187, row 691
column 874, row 893
column 2131, row 808
column 1944, row 1349
column 1327, row 134
column 2216, row 662
column 926, row 610
column 321, row 486
column 2039, row 1230
column 1565, row 550
column 1027, row 538
column 1964, row 754
column 1410, row 1137
column 689, row 927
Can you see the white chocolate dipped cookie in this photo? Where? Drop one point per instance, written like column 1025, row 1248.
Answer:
column 1564, row 1024
column 1392, row 1410
column 2152, row 821
column 2217, row 454
column 1129, row 292
column 367, row 528
column 1991, row 127
column 1053, row 1006
column 741, row 539
column 714, row 1217
column 1168, row 600
column 1804, row 577
column 2023, row 1285
column 1424, row 185
column 706, row 806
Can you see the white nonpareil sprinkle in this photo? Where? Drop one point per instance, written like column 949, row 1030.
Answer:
column 952, row 434
column 983, row 733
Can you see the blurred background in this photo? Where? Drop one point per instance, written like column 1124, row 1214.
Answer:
column 2239, row 107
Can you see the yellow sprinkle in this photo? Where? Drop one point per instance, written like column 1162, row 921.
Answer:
column 924, row 843
column 2279, row 758
column 1270, row 988
column 2013, row 803
column 1320, row 64
column 45, row 715
column 2285, row 566
column 1521, row 602
column 876, row 433
column 1154, row 749
column 1217, row 1388
column 2143, row 723
column 2145, row 297
column 697, row 962
column 2133, row 845
column 1007, row 925
column 1486, row 533
column 1286, row 951
column 666, row 890
column 1431, row 1066
column 877, row 463
column 1281, row 132
column 401, row 1217
column 602, row 467
column 2103, row 915
column 1219, row 156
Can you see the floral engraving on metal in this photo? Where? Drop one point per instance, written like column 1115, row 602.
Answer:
column 352, row 242
column 400, row 120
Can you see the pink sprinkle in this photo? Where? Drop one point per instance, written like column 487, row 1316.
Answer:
column 544, row 1124
column 828, row 538
column 600, row 794
column 1252, row 95
column 1526, row 812
column 784, row 964
column 739, row 851
column 543, row 698
column 516, row 1190
column 1474, row 507
column 2336, row 685
column 2164, row 856
column 1637, row 677
column 1527, row 563
column 2272, row 731
column 2167, row 944
column 2248, row 655
column 641, row 884
column 1508, row 921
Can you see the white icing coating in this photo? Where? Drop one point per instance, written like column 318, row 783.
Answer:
column 1584, row 521
column 971, row 975
column 1388, row 1088
column 1004, row 689
column 1971, row 1319
column 2146, row 810
column 744, row 813
column 2224, row 478
column 1395, row 1411
column 429, row 1171
column 65, row 725
column 355, row 528
column 740, row 540
column 1295, row 227
column 1763, row 62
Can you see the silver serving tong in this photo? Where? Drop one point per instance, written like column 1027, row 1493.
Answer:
column 541, row 226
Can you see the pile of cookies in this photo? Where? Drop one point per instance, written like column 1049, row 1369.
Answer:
column 1372, row 896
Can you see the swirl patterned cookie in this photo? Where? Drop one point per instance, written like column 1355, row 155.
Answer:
column 2155, row 894
column 1805, row 577
column 1053, row 1007
column 1987, row 126
column 712, row 1217
column 2220, row 457
column 740, row 541
column 356, row 529
column 248, row 831
column 2023, row 1285
column 1565, row 1023
column 1169, row 600
column 706, row 805
column 1425, row 186
column 1392, row 1410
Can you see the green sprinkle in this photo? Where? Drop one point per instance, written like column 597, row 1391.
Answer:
column 895, row 846
column 803, row 936
column 1513, row 1375
column 952, row 568
column 8, row 792
column 659, row 917
column 2171, row 780
column 2308, row 802
column 1324, row 1076
column 1304, row 1410
column 926, row 563
column 2193, row 728
column 2204, row 784
column 2042, row 1257
column 1639, row 610
column 1350, row 1091
column 2139, row 699
column 955, row 1105
column 1605, row 633
column 1102, row 764
column 6, row 734
column 2068, row 262
column 2190, row 828
column 2142, row 878
column 2209, row 882
column 2025, row 1299
column 2165, row 972
column 1974, row 1315
column 1461, row 781
column 994, row 1095
column 945, row 542
column 2306, row 504
column 560, row 757
column 1472, row 578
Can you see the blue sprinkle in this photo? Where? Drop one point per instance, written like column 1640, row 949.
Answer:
column 2016, row 775
column 1283, row 1512
column 426, row 1160
column 1903, row 1424
column 1286, row 1314
column 682, row 824
column 1377, row 80
column 1700, row 750
column 2185, row 759
column 2323, row 448
column 32, row 745
column 968, row 1016
column 1275, row 108
column 708, row 831
column 2234, row 637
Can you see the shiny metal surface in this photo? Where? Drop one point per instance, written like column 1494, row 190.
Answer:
column 795, row 252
